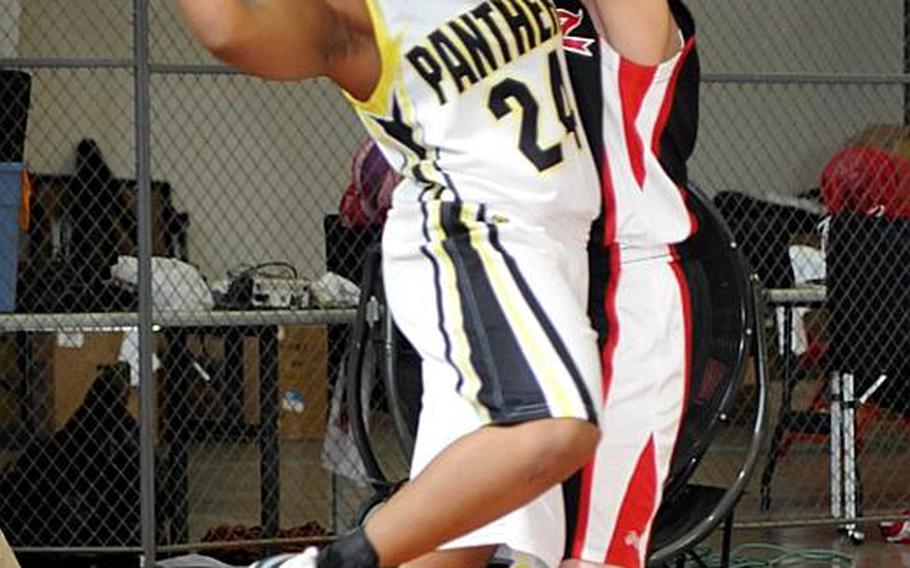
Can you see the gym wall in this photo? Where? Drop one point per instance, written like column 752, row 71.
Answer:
column 773, row 130
column 255, row 165
column 9, row 28
column 234, row 148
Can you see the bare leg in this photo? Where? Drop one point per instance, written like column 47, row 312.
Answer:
column 463, row 558
column 476, row 480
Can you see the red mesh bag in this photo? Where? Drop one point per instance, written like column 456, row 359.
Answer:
column 871, row 175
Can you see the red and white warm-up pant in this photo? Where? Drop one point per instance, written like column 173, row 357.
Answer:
column 646, row 350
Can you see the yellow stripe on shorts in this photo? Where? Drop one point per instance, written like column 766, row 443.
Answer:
column 553, row 379
column 461, row 348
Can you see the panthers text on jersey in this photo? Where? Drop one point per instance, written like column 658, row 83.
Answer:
column 474, row 98
column 484, row 256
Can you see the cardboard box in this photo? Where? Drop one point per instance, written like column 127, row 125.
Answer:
column 64, row 366
column 10, row 378
column 9, row 409
column 892, row 138
column 303, row 388
column 302, row 384
column 62, row 369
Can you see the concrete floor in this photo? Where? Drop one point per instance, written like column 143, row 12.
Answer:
column 224, row 489
column 874, row 553
column 224, row 485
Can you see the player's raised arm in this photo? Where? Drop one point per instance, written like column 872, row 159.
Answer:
column 286, row 39
column 642, row 31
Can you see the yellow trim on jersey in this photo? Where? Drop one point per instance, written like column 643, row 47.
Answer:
column 539, row 356
column 407, row 109
column 379, row 100
column 461, row 348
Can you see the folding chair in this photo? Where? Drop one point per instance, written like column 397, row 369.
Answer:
column 725, row 337
column 726, row 329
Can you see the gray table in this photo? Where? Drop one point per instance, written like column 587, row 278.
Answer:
column 233, row 325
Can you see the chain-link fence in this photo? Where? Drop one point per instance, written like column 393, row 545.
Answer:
column 125, row 149
column 803, row 144
column 237, row 184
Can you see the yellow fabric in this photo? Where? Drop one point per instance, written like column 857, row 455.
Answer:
column 389, row 50
column 461, row 347
column 503, row 286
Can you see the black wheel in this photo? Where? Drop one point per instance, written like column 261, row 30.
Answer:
column 378, row 417
column 726, row 334
column 370, row 506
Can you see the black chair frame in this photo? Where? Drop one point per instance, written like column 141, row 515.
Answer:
column 676, row 534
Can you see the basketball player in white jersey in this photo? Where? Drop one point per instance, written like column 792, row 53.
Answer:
column 483, row 251
column 635, row 71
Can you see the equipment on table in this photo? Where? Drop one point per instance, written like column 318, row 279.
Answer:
column 262, row 287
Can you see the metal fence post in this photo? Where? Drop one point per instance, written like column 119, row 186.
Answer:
column 906, row 61
column 143, row 176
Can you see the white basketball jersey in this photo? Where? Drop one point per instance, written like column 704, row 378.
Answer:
column 474, row 98
column 642, row 123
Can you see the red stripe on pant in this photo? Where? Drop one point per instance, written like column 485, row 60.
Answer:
column 609, row 349
column 635, row 514
column 634, row 82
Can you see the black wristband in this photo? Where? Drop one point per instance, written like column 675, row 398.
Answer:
column 351, row 551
